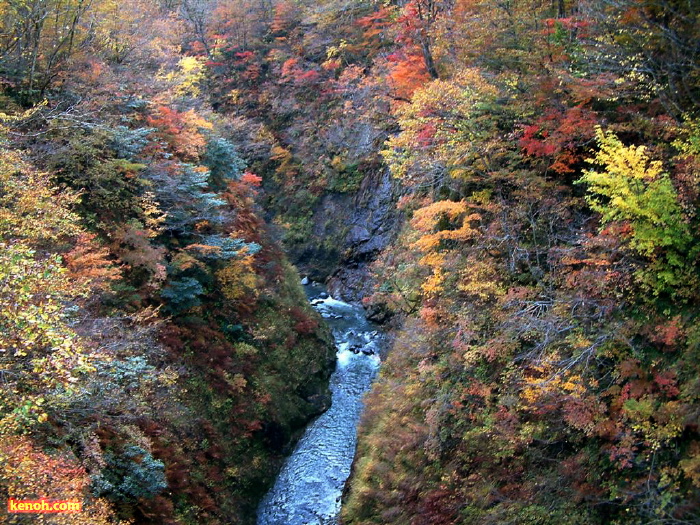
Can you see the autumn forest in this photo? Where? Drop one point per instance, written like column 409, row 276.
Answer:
column 510, row 188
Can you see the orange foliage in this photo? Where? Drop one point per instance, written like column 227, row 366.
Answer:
column 445, row 217
column 182, row 131
column 133, row 248
column 251, row 179
column 26, row 472
column 375, row 24
column 407, row 72
column 89, row 263
column 430, row 316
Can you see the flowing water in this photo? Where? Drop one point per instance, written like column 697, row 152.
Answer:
column 310, row 484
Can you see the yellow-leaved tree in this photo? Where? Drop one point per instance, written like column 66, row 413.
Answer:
column 443, row 131
column 441, row 225
column 628, row 188
column 44, row 363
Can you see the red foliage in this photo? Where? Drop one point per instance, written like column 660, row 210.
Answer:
column 413, row 22
column 666, row 381
column 635, row 389
column 426, row 136
column 284, row 16
column 293, row 72
column 668, row 335
column 159, row 509
column 623, row 455
column 304, row 325
column 576, row 26
column 559, row 134
column 439, row 508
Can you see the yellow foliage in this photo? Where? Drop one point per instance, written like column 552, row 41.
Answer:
column 39, row 351
column 245, row 350
column 545, row 380
column 657, row 422
column 30, row 207
column 154, row 215
column 432, row 259
column 691, row 465
column 439, row 222
column 441, row 129
column 189, row 76
column 238, row 280
column 434, row 284
column 480, row 280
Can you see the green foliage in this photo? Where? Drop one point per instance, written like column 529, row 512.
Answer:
column 129, row 475
column 223, row 161
column 183, row 191
column 690, row 145
column 224, row 248
column 634, row 191
column 128, row 374
column 347, row 178
column 129, row 143
column 111, row 186
column 182, row 294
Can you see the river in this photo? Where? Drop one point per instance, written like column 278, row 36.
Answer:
column 310, row 483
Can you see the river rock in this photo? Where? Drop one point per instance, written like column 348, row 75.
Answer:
column 305, row 281
column 378, row 313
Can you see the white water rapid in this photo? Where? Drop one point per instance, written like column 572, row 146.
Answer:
column 310, row 484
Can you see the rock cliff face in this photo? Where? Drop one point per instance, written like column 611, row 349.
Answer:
column 373, row 221
column 349, row 231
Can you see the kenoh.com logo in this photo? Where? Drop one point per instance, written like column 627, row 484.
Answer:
column 43, row 506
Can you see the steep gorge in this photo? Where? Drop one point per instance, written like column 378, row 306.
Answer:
column 513, row 188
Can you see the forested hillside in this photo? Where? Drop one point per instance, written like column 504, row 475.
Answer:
column 511, row 187
column 157, row 355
